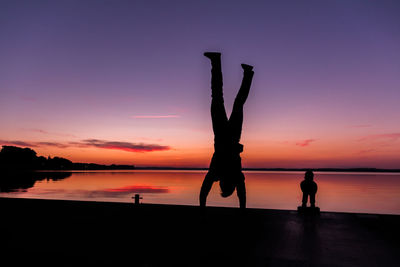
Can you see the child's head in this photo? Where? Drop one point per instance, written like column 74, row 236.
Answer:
column 309, row 175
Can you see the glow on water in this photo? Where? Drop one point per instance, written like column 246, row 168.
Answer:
column 343, row 192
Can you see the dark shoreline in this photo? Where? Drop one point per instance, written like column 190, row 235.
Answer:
column 82, row 233
column 281, row 169
column 355, row 170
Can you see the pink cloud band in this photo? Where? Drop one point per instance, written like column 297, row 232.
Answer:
column 125, row 146
column 116, row 145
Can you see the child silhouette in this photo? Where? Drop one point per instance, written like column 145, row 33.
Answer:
column 309, row 189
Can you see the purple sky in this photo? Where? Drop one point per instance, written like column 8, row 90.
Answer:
column 326, row 88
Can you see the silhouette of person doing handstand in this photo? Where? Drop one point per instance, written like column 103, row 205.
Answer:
column 309, row 188
column 226, row 166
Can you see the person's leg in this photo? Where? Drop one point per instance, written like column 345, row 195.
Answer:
column 236, row 118
column 313, row 191
column 206, row 188
column 241, row 193
column 216, row 73
column 312, row 199
column 304, row 200
column 218, row 113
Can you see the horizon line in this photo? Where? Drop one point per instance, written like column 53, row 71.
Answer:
column 355, row 169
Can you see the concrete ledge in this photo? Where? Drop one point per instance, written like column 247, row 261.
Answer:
column 75, row 233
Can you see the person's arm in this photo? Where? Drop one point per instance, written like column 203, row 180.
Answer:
column 205, row 189
column 241, row 193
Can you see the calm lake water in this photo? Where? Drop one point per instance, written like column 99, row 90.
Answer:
column 343, row 192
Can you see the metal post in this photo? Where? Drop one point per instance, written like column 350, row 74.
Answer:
column 137, row 198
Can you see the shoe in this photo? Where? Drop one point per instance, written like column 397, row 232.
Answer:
column 247, row 67
column 213, row 55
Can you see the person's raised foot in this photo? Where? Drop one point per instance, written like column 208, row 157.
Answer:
column 247, row 67
column 213, row 55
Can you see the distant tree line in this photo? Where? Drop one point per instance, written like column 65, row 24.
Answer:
column 26, row 159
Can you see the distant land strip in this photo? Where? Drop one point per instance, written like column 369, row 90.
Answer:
column 278, row 169
column 25, row 159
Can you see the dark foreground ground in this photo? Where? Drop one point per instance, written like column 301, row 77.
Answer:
column 72, row 233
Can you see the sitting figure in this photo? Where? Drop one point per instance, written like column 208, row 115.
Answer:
column 309, row 188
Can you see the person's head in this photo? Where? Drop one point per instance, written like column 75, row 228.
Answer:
column 227, row 187
column 309, row 175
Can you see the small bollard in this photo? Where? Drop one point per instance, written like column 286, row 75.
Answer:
column 137, row 197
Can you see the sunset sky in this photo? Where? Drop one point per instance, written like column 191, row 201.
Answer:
column 126, row 82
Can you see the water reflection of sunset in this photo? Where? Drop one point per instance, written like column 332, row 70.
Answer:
column 351, row 192
column 138, row 189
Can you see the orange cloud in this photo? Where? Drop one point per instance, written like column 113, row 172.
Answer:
column 125, row 146
column 304, row 143
column 59, row 145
